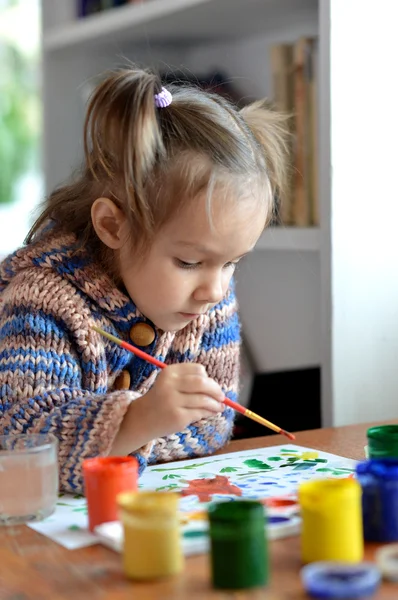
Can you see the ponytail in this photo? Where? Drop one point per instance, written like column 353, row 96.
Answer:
column 271, row 132
column 122, row 136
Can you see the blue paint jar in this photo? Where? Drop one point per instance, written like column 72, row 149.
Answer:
column 379, row 482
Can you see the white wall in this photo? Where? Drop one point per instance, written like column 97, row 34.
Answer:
column 279, row 297
column 364, row 285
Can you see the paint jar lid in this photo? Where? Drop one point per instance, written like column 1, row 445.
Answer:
column 383, row 441
column 387, row 560
column 319, row 493
column 236, row 512
column 110, row 473
column 379, row 468
column 333, row 580
column 147, row 503
column 109, row 464
column 236, row 519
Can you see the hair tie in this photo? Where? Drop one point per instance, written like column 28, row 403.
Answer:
column 163, row 99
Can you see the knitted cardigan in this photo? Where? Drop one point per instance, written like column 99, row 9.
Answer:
column 58, row 376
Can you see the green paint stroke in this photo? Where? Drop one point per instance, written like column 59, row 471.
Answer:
column 337, row 470
column 171, row 476
column 74, row 528
column 80, row 509
column 289, row 450
column 229, row 469
column 302, row 466
column 251, row 473
column 194, row 466
column 254, row 463
column 275, row 458
column 197, row 533
column 171, row 486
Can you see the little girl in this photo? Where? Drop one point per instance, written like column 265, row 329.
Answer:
column 176, row 187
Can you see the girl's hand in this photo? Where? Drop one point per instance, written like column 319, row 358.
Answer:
column 182, row 394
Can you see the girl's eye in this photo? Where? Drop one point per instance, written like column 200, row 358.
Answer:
column 186, row 265
column 182, row 264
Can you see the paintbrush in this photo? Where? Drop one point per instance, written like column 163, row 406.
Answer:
column 238, row 407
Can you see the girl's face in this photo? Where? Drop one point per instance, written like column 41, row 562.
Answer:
column 190, row 263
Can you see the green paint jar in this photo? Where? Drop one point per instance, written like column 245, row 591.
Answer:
column 383, row 441
column 239, row 549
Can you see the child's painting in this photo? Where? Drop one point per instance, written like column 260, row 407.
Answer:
column 269, row 475
column 253, row 474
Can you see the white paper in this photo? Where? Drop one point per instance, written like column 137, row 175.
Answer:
column 258, row 474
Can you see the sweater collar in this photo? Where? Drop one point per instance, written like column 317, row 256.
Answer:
column 65, row 255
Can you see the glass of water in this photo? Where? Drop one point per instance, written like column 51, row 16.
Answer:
column 28, row 477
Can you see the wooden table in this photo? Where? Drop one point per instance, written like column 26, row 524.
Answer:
column 32, row 567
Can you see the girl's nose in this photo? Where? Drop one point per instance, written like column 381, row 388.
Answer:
column 211, row 290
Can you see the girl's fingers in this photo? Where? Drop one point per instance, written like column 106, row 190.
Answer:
column 195, row 402
column 195, row 384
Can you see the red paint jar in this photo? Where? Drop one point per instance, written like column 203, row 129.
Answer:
column 105, row 478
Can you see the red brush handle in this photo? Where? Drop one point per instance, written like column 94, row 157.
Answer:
column 142, row 355
column 235, row 405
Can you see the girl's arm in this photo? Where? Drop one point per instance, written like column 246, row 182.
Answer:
column 41, row 390
column 219, row 352
column 45, row 383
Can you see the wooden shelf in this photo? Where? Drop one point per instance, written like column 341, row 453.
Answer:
column 184, row 21
column 290, row 238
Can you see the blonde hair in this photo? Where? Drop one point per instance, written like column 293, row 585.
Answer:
column 150, row 160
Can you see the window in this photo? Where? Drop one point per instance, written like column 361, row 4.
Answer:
column 20, row 120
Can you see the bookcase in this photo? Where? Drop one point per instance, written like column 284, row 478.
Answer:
column 313, row 296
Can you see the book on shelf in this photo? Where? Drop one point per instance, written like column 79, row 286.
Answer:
column 294, row 78
column 281, row 59
column 86, row 8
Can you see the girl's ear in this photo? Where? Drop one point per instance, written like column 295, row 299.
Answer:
column 109, row 222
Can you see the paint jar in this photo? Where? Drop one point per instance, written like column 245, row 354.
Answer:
column 383, row 441
column 386, row 558
column 379, row 482
column 331, row 520
column 28, row 477
column 152, row 539
column 238, row 542
column 104, row 478
column 340, row 580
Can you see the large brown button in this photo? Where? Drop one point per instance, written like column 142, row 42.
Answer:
column 122, row 381
column 142, row 334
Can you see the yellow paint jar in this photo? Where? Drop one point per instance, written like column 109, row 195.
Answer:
column 152, row 541
column 332, row 520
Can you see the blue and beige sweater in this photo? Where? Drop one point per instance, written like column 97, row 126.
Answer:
column 60, row 377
